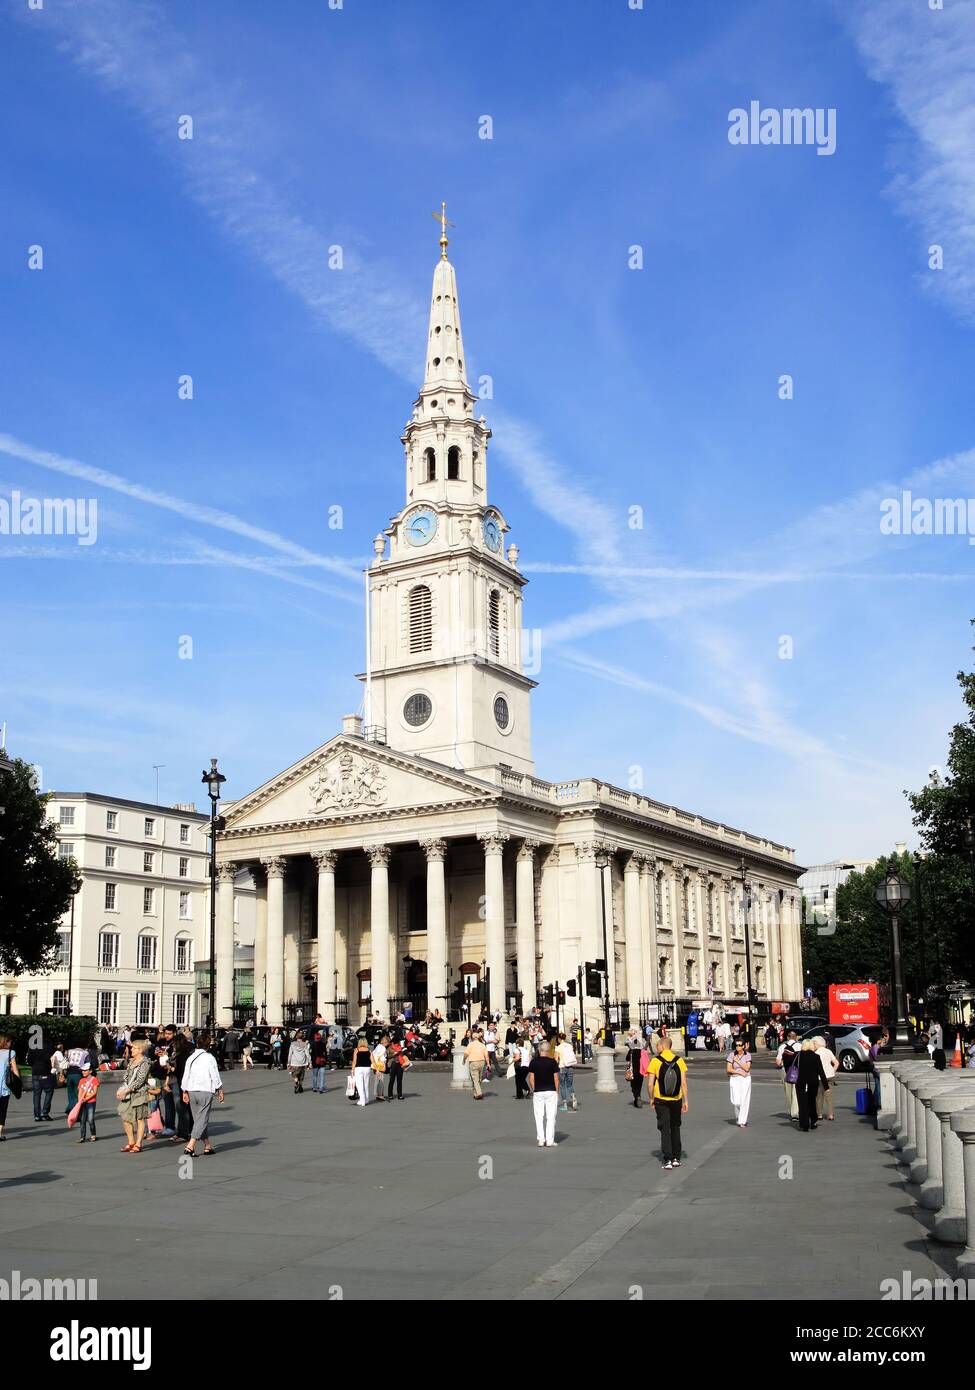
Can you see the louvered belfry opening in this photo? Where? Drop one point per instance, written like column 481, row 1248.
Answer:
column 494, row 624
column 421, row 619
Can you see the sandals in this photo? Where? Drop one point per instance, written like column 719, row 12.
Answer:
column 190, row 1153
column 126, row 1148
column 207, row 1152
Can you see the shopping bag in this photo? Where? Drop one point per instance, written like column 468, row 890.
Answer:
column 155, row 1121
column 350, row 1085
column 74, row 1115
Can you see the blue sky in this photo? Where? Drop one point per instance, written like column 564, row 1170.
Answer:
column 613, row 387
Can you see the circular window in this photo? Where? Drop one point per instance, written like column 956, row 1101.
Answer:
column 417, row 710
column 502, row 715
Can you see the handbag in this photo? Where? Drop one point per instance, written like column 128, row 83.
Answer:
column 792, row 1075
column 155, row 1121
column 350, row 1085
column 74, row 1115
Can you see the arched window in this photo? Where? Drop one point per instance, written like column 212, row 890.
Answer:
column 365, row 987
column 147, row 951
column 430, row 465
column 663, row 972
column 692, row 974
column 453, row 462
column 739, row 978
column 760, row 979
column 494, row 624
column 421, row 619
column 717, row 978
column 658, row 898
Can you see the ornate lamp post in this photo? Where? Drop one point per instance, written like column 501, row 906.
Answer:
column 893, row 894
column 213, row 781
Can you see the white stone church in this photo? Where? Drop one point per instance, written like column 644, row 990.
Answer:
column 418, row 848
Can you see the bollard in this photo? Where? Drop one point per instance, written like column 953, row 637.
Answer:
column 887, row 1114
column 606, row 1083
column 964, row 1126
column 903, row 1071
column 928, row 1160
column 949, row 1219
column 461, row 1078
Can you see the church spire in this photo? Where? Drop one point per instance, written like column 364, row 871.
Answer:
column 445, row 346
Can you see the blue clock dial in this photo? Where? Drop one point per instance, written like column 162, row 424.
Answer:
column 492, row 533
column 421, row 527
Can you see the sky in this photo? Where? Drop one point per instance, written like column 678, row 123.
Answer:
column 724, row 622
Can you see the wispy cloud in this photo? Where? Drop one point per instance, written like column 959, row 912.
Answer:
column 926, row 57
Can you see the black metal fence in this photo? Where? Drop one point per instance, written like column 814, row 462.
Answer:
column 413, row 1006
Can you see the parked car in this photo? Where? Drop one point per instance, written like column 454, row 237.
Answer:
column 849, row 1042
column 806, row 1024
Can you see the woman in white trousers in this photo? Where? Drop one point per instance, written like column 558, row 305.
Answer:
column 739, row 1072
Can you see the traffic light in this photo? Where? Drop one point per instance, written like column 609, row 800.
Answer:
column 593, row 983
column 548, row 995
column 561, row 997
column 599, row 965
column 570, row 988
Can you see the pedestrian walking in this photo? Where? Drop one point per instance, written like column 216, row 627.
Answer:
column 182, row 1049
column 299, row 1060
column 42, row 1073
column 87, row 1096
column 247, row 1051
column 133, row 1096
column 808, row 1077
column 740, row 1081
column 319, row 1060
column 379, row 1056
column 397, row 1064
column 274, row 1054
column 785, row 1059
column 362, row 1070
column 77, row 1057
column 667, row 1092
column 587, row 1041
column 10, row 1079
column 521, row 1055
column 201, row 1082
column 636, row 1068
column 830, row 1066
column 543, row 1081
column 476, row 1057
column 491, row 1043
column 230, row 1046
column 566, row 1059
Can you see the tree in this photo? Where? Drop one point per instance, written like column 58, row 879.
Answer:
column 857, row 945
column 36, row 887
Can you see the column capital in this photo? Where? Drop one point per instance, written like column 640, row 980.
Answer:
column 379, row 855
column 275, row 865
column 435, row 850
column 585, row 851
column 634, row 861
column 226, row 872
column 325, row 860
column 678, row 868
column 494, row 841
column 527, row 850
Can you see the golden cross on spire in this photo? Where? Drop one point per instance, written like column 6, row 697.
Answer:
column 441, row 217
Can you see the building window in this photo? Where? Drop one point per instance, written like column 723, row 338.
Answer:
column 62, row 951
column 739, row 979
column 147, row 951
column 494, row 625
column 148, row 896
column 365, row 986
column 429, row 465
column 184, row 907
column 108, row 950
column 111, row 890
column 150, row 826
column 658, row 898
column 692, row 974
column 502, row 715
column 184, row 834
column 717, row 979
column 107, row 1007
column 111, row 820
column 760, row 979
column 147, row 861
column 421, row 618
column 66, row 815
column 184, row 867
column 61, row 1003
column 686, row 903
column 453, row 462
column 181, row 1009
column 109, row 856
column 711, row 926
column 182, row 955
column 145, row 1007
column 417, row 710
column 32, row 1001
column 664, row 972
column 66, row 849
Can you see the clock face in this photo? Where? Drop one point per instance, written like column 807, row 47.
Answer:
column 421, row 527
column 492, row 533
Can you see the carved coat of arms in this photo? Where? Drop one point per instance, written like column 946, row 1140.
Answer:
column 347, row 782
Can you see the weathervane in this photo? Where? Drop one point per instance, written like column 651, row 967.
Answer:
column 441, row 217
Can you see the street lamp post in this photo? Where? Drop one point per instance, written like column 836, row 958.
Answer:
column 893, row 894
column 602, row 863
column 213, row 781
column 746, row 904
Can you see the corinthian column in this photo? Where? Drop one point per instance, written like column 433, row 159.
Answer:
column 379, row 927
column 791, row 981
column 436, row 851
column 325, row 860
column 494, row 844
column 275, row 869
column 525, row 914
column 222, row 1009
column 633, row 932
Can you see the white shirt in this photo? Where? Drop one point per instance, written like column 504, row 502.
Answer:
column 379, row 1054
column 200, row 1073
column 490, row 1040
column 828, row 1062
column 565, row 1055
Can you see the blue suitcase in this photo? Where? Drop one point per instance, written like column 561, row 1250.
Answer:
column 864, row 1101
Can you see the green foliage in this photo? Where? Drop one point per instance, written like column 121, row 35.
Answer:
column 35, row 886
column 47, row 1030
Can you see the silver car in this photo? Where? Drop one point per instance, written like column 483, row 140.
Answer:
column 850, row 1043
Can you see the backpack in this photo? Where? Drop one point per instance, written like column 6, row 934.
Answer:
column 668, row 1078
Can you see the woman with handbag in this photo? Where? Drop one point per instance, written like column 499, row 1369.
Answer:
column 785, row 1060
column 133, row 1097
column 739, row 1069
column 201, row 1082
column 361, row 1068
column 11, row 1083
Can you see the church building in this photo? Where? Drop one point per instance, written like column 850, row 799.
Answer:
column 417, row 849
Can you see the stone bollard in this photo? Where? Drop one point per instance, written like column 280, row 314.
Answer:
column 906, row 1141
column 903, row 1071
column 461, row 1079
column 964, row 1126
column 606, row 1083
column 887, row 1114
column 949, row 1219
column 928, row 1158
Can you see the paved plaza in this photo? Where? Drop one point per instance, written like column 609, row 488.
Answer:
column 310, row 1197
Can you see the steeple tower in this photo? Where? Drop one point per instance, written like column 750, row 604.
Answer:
column 445, row 632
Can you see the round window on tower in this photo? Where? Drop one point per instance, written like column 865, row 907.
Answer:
column 417, row 710
column 502, row 715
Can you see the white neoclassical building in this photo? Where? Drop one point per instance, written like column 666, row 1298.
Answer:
column 418, row 848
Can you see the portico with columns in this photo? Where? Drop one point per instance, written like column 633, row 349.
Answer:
column 418, row 846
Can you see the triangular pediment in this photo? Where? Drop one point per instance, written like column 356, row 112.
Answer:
column 348, row 778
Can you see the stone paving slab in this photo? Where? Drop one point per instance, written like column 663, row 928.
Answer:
column 306, row 1192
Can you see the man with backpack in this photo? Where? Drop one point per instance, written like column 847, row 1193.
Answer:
column 667, row 1088
column 786, row 1060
